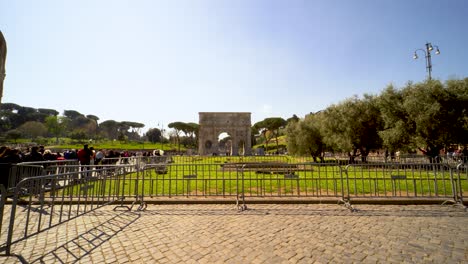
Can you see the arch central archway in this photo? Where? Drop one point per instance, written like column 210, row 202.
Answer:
column 236, row 124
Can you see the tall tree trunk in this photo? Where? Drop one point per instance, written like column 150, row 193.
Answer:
column 364, row 154
column 277, row 145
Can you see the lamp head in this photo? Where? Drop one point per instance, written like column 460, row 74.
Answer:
column 429, row 47
column 437, row 51
column 415, row 56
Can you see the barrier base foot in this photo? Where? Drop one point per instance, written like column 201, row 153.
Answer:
column 141, row 207
column 347, row 204
column 241, row 207
column 456, row 204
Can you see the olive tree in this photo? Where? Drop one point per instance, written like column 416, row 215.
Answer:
column 428, row 116
column 304, row 137
column 352, row 126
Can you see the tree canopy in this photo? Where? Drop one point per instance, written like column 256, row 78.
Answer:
column 304, row 137
column 154, row 135
column 429, row 115
column 352, row 126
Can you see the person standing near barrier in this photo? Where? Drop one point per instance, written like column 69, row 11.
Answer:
column 41, row 150
column 98, row 157
column 34, row 155
column 48, row 155
column 464, row 154
column 84, row 157
column 93, row 156
column 5, row 166
column 11, row 156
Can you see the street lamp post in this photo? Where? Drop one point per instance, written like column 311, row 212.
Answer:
column 427, row 53
column 161, row 137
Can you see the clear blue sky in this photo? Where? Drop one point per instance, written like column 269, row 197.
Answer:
column 164, row 61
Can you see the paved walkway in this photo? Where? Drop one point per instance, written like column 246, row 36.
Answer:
column 286, row 233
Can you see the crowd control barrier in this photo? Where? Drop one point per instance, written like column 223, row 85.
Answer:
column 39, row 201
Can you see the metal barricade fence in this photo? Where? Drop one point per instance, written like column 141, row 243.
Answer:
column 299, row 180
column 341, row 159
column 155, row 159
column 263, row 180
column 50, row 167
column 47, row 163
column 276, row 179
column 224, row 159
column 400, row 181
column 19, row 172
column 2, row 213
column 49, row 200
column 245, row 180
column 42, row 202
column 404, row 158
column 401, row 159
column 138, row 161
column 171, row 180
column 292, row 180
column 14, row 173
column 461, row 182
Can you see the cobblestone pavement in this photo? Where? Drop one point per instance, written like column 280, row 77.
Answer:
column 285, row 233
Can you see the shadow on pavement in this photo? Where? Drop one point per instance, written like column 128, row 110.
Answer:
column 363, row 210
column 81, row 246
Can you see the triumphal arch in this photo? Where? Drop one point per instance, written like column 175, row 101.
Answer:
column 236, row 124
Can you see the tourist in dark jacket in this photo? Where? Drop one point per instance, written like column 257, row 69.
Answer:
column 34, row 155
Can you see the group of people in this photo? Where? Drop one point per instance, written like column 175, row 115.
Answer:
column 86, row 155
column 15, row 155
column 457, row 153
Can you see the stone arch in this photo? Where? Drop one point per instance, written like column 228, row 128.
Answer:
column 212, row 124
